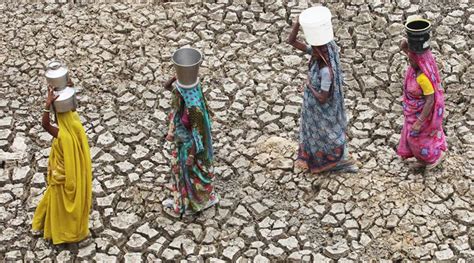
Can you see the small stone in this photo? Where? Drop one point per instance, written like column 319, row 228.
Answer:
column 292, row 60
column 231, row 253
column 329, row 220
column 136, row 242
column 105, row 201
column 132, row 257
column 19, row 144
column 4, row 134
column 261, row 259
column 375, row 231
column 298, row 256
column 242, row 212
column 365, row 239
column 106, row 139
column 396, row 29
column 274, row 252
column 13, row 255
column 171, row 254
column 351, row 224
column 147, row 231
column 337, row 251
column 403, row 3
column 158, row 245
column 392, row 221
column 290, row 243
column 6, row 122
column 465, row 216
column 211, row 235
column 101, row 257
column 444, row 255
column 114, row 184
column 208, row 251
column 124, row 221
column 87, row 252
column 125, row 167
column 320, row 258
column 114, row 250
column 259, row 210
column 249, row 233
column 267, row 117
column 19, row 174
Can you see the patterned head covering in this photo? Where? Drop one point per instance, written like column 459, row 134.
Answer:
column 427, row 63
column 199, row 119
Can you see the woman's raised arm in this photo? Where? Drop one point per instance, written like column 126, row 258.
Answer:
column 169, row 83
column 45, row 121
column 292, row 40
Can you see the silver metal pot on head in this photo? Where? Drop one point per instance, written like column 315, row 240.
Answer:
column 66, row 101
column 186, row 62
column 56, row 75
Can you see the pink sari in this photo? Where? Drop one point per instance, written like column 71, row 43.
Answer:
column 426, row 144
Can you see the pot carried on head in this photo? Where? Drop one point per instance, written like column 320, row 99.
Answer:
column 317, row 26
column 418, row 33
column 66, row 101
column 186, row 62
column 56, row 75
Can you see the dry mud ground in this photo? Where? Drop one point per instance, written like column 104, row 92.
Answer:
column 119, row 55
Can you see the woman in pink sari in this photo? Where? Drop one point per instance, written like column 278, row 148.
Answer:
column 422, row 135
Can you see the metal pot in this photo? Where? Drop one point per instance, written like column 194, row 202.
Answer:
column 418, row 33
column 56, row 75
column 66, row 101
column 186, row 62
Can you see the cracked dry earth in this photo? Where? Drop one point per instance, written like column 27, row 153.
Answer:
column 119, row 55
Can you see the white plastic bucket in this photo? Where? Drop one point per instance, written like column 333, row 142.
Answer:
column 317, row 26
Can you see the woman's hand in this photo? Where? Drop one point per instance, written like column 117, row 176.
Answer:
column 69, row 82
column 297, row 20
column 169, row 83
column 416, row 126
column 175, row 169
column 404, row 45
column 292, row 40
column 51, row 97
column 45, row 121
column 190, row 160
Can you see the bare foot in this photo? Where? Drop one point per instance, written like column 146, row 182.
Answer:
column 170, row 137
column 417, row 165
column 435, row 164
column 300, row 166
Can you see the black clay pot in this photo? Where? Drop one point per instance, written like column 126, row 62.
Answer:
column 418, row 33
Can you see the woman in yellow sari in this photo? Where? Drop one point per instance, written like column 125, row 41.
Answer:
column 63, row 212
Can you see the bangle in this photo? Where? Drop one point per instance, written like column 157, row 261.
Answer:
column 46, row 110
column 191, row 156
column 420, row 119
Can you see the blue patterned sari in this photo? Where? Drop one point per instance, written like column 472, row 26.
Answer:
column 322, row 144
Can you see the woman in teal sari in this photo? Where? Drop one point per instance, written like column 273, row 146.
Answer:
column 192, row 169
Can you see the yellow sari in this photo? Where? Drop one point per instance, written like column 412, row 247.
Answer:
column 63, row 213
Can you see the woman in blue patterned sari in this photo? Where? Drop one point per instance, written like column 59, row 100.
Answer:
column 323, row 142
